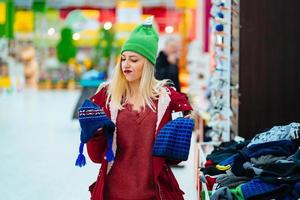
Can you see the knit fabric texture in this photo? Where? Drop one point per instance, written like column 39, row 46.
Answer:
column 266, row 159
column 296, row 190
column 91, row 118
column 143, row 40
column 230, row 180
column 277, row 133
column 276, row 148
column 257, row 189
column 282, row 171
column 222, row 193
column 225, row 150
column 174, row 139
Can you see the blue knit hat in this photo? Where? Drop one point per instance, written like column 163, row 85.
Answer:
column 174, row 139
column 91, row 118
column 258, row 189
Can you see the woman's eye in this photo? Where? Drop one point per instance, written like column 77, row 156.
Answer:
column 134, row 61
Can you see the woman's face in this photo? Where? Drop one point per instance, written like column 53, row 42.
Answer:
column 132, row 65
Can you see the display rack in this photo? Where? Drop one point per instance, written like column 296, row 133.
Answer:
column 220, row 111
column 223, row 86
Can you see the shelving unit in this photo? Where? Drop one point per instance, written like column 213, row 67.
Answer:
column 224, row 50
column 220, row 26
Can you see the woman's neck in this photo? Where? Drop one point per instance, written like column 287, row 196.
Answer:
column 135, row 98
column 134, row 88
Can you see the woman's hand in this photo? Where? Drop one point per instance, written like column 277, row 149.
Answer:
column 189, row 116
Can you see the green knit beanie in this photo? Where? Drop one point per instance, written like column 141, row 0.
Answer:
column 143, row 40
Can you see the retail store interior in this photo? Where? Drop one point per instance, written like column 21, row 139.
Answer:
column 236, row 61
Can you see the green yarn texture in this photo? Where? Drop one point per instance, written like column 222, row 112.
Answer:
column 143, row 40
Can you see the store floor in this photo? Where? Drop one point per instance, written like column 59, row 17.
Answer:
column 38, row 147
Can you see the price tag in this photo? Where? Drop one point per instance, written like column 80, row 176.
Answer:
column 175, row 115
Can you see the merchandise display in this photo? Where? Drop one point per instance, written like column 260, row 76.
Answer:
column 265, row 167
column 219, row 86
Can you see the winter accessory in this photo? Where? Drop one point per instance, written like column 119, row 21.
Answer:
column 230, row 180
column 237, row 166
column 296, row 157
column 143, row 40
column 91, row 118
column 220, row 15
column 210, row 181
column 225, row 150
column 228, row 161
column 266, row 159
column 237, row 192
column 277, row 133
column 296, row 191
column 174, row 139
column 250, row 166
column 283, row 171
column 222, row 193
column 257, row 189
column 208, row 163
column 219, row 27
column 276, row 148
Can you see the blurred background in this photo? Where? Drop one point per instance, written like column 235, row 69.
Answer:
column 240, row 72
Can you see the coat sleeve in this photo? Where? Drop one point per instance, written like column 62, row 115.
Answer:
column 96, row 146
column 179, row 101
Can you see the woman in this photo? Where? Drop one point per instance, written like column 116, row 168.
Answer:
column 140, row 106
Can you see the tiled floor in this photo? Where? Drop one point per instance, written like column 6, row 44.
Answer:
column 38, row 147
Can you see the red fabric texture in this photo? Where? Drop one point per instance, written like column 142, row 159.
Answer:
column 210, row 182
column 209, row 163
column 132, row 172
column 166, row 186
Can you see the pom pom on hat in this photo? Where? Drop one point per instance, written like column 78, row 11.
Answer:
column 219, row 27
column 91, row 118
column 143, row 40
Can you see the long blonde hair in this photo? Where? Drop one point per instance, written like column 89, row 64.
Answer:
column 150, row 88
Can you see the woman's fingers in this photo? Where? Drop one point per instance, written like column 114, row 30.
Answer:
column 188, row 116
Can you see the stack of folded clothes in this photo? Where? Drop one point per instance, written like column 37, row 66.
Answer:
column 267, row 167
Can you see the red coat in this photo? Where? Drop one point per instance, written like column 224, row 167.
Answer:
column 167, row 187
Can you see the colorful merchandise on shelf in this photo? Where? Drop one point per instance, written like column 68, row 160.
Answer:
column 219, row 86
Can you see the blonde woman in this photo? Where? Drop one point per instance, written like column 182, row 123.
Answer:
column 140, row 106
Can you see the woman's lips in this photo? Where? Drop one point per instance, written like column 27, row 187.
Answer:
column 127, row 71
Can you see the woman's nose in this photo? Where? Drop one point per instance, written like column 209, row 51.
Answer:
column 126, row 63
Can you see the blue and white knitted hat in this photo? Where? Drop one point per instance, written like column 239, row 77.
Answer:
column 91, row 118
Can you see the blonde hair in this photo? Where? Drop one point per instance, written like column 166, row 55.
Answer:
column 150, row 88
